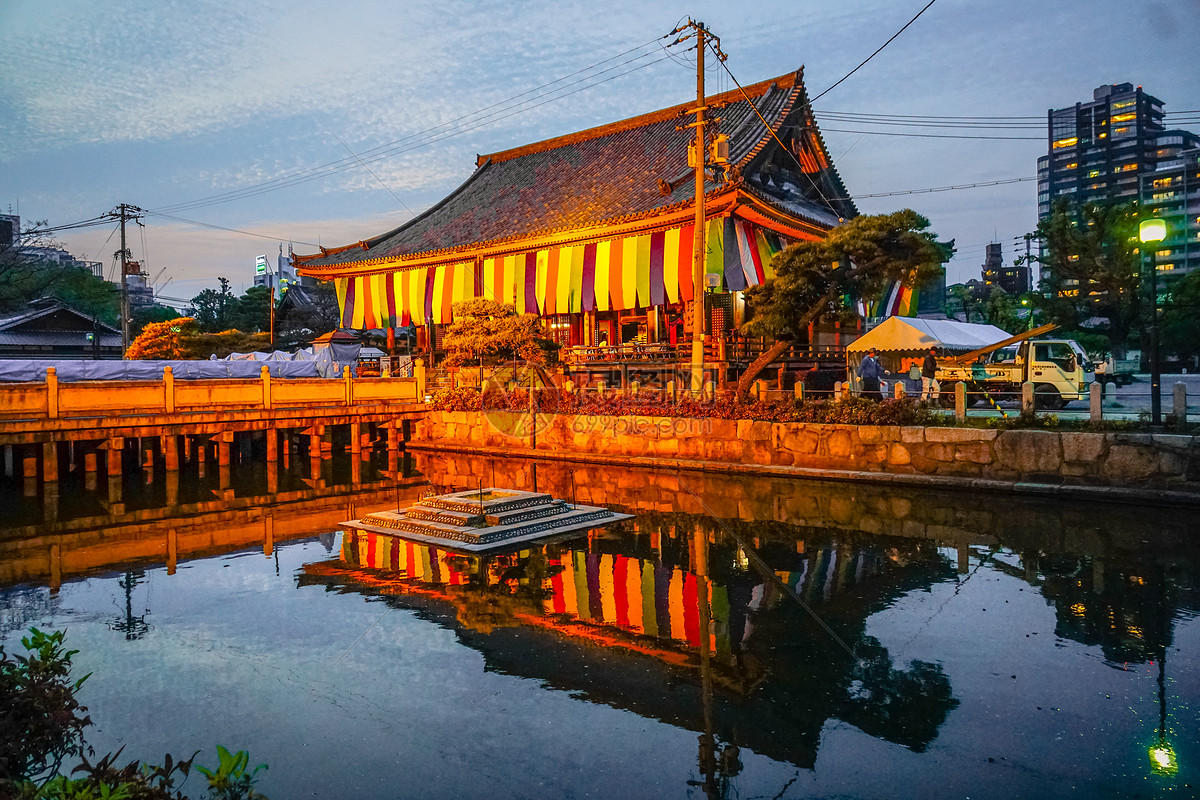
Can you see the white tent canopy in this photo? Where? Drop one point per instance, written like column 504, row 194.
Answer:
column 911, row 335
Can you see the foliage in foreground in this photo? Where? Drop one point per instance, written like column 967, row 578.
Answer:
column 42, row 726
column 851, row 411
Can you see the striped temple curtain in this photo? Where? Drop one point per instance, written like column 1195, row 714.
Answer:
column 896, row 300
column 649, row 269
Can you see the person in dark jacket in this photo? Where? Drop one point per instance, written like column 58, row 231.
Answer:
column 930, row 388
column 869, row 372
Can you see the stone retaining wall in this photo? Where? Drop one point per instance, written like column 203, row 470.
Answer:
column 1142, row 460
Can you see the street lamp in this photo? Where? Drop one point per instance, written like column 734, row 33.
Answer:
column 1151, row 232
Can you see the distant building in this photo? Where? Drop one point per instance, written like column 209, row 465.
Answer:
column 1097, row 151
column 10, row 229
column 1013, row 280
column 1172, row 192
column 282, row 276
column 48, row 328
column 10, row 240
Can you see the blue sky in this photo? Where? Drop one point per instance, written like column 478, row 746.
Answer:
column 158, row 104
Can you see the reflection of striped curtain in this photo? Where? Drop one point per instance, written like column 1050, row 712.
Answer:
column 649, row 269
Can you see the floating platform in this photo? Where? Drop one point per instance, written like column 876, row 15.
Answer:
column 479, row 520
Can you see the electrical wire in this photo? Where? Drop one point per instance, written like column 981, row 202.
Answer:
column 877, row 51
column 345, row 164
column 174, row 218
column 466, row 123
column 930, row 135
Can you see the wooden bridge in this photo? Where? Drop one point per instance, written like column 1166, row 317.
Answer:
column 48, row 428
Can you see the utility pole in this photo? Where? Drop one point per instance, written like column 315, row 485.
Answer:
column 699, row 240
column 699, row 159
column 125, row 212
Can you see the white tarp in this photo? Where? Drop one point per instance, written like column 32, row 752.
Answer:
column 68, row 371
column 277, row 355
column 912, row 335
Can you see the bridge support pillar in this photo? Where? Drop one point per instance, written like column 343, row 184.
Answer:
column 356, row 436
column 272, row 477
column 172, row 487
column 172, row 550
column 116, row 449
column 393, row 436
column 50, row 462
column 272, row 445
column 268, row 535
column 170, row 449
column 55, row 568
column 224, row 442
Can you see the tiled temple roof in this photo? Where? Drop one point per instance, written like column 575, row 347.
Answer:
column 624, row 171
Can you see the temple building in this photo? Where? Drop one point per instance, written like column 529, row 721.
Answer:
column 593, row 231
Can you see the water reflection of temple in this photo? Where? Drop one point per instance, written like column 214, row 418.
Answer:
column 620, row 618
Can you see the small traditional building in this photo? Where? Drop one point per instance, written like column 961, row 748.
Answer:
column 49, row 329
column 593, row 230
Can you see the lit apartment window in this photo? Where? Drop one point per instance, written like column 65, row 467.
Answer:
column 1093, row 173
column 1162, row 195
column 1071, row 165
column 1070, row 141
column 1165, row 267
column 1162, row 253
column 1117, row 106
column 1124, row 117
column 1122, row 131
column 1126, row 168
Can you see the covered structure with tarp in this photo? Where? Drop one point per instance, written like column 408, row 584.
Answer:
column 901, row 342
column 593, row 231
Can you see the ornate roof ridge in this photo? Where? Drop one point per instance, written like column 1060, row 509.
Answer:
column 755, row 90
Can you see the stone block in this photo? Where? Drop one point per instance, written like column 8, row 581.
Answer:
column 974, row 452
column 912, row 434
column 940, row 452
column 1026, row 452
column 1131, row 462
column 840, row 444
column 1083, row 447
column 959, row 435
column 898, row 455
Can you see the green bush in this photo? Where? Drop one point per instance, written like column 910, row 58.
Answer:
column 42, row 726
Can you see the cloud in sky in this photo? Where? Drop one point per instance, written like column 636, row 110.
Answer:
column 160, row 103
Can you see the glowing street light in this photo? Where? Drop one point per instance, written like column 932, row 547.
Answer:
column 1151, row 232
column 1162, row 759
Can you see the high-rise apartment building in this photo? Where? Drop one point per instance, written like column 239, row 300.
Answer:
column 1171, row 191
column 1110, row 151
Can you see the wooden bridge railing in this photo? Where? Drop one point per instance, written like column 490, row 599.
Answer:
column 54, row 400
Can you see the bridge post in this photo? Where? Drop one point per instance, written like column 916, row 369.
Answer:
column 355, row 438
column 265, row 375
column 348, row 381
column 419, row 374
column 1179, row 405
column 51, row 393
column 393, row 437
column 172, row 488
column 224, row 440
column 169, row 390
column 272, row 446
column 1096, row 402
column 172, row 550
column 798, row 389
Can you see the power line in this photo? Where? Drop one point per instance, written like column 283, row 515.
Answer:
column 230, row 230
column 465, row 123
column 877, row 51
column 933, row 135
column 981, row 184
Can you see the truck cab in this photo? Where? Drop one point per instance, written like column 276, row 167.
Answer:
column 1057, row 368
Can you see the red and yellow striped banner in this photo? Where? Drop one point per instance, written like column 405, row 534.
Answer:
column 649, row 269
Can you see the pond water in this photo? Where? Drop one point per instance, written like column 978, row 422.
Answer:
column 740, row 637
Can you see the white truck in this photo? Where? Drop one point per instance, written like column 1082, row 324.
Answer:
column 1057, row 368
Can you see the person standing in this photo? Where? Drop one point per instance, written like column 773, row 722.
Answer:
column 930, row 388
column 869, row 372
